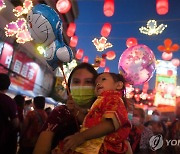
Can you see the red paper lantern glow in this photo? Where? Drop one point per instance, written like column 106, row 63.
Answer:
column 175, row 62
column 73, row 41
column 131, row 42
column 85, row 59
column 110, row 55
column 106, row 69
column 162, row 7
column 79, row 53
column 103, row 63
column 166, row 56
column 63, row 6
column 108, row 8
column 106, row 29
column 71, row 29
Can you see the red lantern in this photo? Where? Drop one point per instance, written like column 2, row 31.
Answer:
column 106, row 29
column 103, row 63
column 73, row 41
column 162, row 7
column 63, row 6
column 71, row 29
column 106, row 69
column 110, row 55
column 131, row 42
column 79, row 53
column 175, row 62
column 166, row 56
column 108, row 8
column 85, row 59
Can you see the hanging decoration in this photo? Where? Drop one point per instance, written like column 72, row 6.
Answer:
column 19, row 29
column 152, row 28
column 137, row 64
column 20, row 10
column 101, row 44
column 167, row 56
column 110, row 55
column 73, row 41
column 175, row 62
column 168, row 47
column 131, row 42
column 106, row 69
column 63, row 6
column 2, row 5
column 79, row 54
column 85, row 59
column 108, row 8
column 106, row 29
column 71, row 29
column 162, row 7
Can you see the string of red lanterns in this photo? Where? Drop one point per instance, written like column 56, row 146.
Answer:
column 106, row 29
column 162, row 7
column 63, row 6
column 108, row 8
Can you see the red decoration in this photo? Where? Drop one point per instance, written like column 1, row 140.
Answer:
column 106, row 29
column 73, row 41
column 63, row 6
column 106, row 69
column 166, row 56
column 175, row 62
column 110, row 55
column 162, row 7
column 85, row 59
column 108, row 8
column 71, row 29
column 103, row 63
column 79, row 53
column 169, row 72
column 168, row 46
column 131, row 42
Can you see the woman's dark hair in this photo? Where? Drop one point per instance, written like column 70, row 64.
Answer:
column 4, row 81
column 19, row 99
column 116, row 78
column 86, row 66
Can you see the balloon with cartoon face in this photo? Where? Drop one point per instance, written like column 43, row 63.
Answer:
column 45, row 27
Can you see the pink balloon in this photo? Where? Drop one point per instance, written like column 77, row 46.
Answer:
column 137, row 64
column 175, row 62
column 167, row 56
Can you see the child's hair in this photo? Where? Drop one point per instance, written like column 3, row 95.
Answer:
column 116, row 78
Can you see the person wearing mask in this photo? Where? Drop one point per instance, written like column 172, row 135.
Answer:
column 9, row 122
column 65, row 120
column 174, row 129
column 106, row 126
column 32, row 126
column 140, row 135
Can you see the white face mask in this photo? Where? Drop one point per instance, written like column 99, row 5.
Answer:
column 155, row 118
column 136, row 121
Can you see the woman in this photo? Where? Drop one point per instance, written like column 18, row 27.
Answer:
column 65, row 119
column 139, row 134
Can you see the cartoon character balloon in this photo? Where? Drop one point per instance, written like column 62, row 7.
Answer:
column 137, row 64
column 45, row 27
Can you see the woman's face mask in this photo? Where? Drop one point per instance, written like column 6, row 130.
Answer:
column 82, row 95
column 136, row 121
column 130, row 116
column 155, row 118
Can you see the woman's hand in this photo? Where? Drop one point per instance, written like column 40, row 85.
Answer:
column 71, row 142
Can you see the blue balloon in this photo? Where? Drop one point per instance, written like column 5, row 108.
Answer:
column 45, row 27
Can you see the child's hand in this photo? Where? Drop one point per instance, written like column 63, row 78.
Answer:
column 71, row 142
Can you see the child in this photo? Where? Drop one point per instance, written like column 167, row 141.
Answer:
column 106, row 126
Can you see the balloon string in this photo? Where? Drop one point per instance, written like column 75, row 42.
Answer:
column 67, row 87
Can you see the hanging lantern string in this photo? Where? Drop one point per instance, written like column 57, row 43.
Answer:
column 64, row 76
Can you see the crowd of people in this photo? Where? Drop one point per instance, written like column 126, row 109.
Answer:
column 97, row 118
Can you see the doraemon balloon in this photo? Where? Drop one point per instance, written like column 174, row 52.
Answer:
column 45, row 27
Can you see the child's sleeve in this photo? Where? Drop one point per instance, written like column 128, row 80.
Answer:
column 115, row 109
